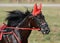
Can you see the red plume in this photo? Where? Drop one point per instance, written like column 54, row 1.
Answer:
column 40, row 7
column 36, row 10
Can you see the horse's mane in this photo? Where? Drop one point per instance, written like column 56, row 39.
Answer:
column 16, row 14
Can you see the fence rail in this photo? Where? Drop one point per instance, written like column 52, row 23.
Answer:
column 28, row 5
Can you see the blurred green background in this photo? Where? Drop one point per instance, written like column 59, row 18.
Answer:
column 52, row 16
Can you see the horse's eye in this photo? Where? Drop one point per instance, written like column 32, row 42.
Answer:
column 38, row 17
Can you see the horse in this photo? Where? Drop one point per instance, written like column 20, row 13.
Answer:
column 27, row 20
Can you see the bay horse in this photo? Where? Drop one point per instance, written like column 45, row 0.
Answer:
column 26, row 20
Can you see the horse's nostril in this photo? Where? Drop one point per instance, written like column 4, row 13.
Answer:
column 46, row 30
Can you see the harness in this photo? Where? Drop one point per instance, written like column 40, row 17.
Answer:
column 14, row 31
column 5, row 34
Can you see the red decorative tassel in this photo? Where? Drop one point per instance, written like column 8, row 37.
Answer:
column 34, row 10
column 40, row 7
column 37, row 10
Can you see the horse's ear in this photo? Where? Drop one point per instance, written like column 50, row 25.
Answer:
column 27, row 10
column 40, row 7
column 34, row 9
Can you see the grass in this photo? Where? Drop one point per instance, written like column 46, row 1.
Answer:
column 52, row 16
column 44, row 1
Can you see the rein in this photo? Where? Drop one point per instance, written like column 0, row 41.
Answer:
column 14, row 28
column 3, row 31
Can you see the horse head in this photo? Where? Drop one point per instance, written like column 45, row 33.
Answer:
column 38, row 19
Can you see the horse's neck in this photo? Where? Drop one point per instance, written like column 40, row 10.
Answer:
column 24, row 22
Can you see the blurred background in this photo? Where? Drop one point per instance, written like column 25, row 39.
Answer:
column 52, row 16
column 29, row 1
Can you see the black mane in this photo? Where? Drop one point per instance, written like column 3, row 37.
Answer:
column 15, row 17
column 16, row 14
